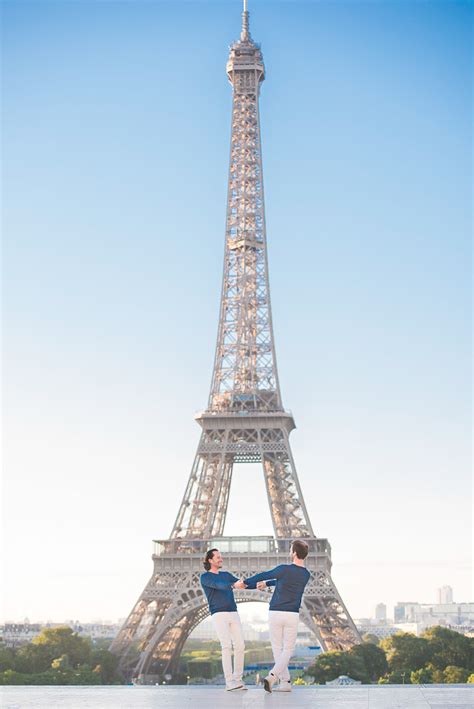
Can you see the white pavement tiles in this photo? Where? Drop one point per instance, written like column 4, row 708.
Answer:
column 315, row 697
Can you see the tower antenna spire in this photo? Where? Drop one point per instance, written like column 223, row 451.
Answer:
column 245, row 34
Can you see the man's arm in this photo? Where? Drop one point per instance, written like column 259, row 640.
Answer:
column 272, row 575
column 262, row 585
column 217, row 583
column 237, row 584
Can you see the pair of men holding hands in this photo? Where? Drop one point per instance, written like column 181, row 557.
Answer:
column 289, row 581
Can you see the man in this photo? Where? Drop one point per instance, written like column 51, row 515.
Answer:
column 218, row 587
column 289, row 581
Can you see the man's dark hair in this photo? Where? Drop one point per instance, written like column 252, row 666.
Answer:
column 300, row 548
column 209, row 555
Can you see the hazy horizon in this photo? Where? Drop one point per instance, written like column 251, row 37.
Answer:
column 249, row 612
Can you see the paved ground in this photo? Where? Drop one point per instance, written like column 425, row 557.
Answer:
column 360, row 697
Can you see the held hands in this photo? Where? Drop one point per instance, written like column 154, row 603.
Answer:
column 240, row 585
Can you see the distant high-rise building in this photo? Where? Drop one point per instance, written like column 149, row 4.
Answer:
column 405, row 611
column 445, row 594
column 380, row 611
column 449, row 614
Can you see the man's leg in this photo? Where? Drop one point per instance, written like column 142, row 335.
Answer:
column 289, row 623
column 237, row 636
column 275, row 626
column 221, row 623
column 276, row 633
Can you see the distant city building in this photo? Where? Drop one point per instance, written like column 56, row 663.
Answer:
column 466, row 629
column 96, row 631
column 411, row 617
column 380, row 629
column 380, row 611
column 384, row 629
column 405, row 611
column 445, row 594
column 435, row 613
column 16, row 634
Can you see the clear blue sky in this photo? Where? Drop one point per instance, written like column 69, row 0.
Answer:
column 116, row 128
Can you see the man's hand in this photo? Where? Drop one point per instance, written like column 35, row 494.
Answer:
column 239, row 584
column 261, row 585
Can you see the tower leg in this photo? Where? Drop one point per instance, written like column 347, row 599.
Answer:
column 289, row 515
column 204, row 505
column 324, row 612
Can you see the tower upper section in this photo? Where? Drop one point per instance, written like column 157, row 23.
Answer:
column 245, row 67
column 245, row 378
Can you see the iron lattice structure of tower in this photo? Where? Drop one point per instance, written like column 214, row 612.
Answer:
column 244, row 422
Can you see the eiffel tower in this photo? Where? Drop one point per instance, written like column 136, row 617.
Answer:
column 244, row 422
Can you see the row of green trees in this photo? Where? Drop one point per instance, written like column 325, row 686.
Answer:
column 58, row 656
column 438, row 656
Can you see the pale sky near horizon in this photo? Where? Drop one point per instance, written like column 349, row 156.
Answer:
column 116, row 126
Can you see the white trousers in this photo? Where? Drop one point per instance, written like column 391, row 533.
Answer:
column 229, row 631
column 283, row 630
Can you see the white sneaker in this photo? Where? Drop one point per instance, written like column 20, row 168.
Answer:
column 283, row 687
column 234, row 685
column 268, row 682
column 240, row 685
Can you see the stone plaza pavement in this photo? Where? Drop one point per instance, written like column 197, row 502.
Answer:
column 319, row 697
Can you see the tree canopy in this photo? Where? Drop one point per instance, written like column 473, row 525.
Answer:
column 439, row 655
column 58, row 656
